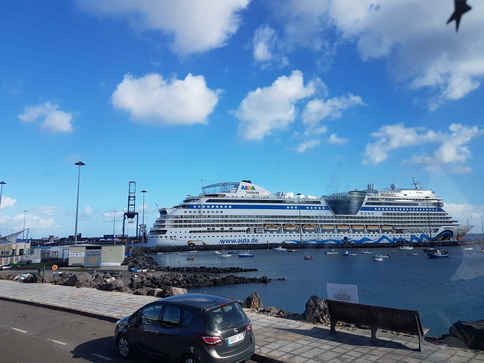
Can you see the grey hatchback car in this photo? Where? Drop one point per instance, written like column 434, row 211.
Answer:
column 189, row 328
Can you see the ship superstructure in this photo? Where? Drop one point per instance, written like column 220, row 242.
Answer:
column 242, row 212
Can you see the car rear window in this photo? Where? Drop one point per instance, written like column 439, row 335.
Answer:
column 224, row 317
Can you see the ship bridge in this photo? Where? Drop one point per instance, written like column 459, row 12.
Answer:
column 244, row 188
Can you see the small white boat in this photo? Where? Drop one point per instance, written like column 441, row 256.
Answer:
column 382, row 256
column 332, row 252
column 468, row 248
column 280, row 249
column 217, row 253
column 437, row 253
column 347, row 253
column 366, row 252
column 224, row 255
column 378, row 259
column 246, row 254
column 406, row 248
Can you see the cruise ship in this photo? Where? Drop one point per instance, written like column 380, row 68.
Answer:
column 245, row 213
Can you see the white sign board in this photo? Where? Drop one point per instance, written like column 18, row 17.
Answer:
column 342, row 292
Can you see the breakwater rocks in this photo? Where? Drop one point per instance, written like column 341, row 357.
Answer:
column 157, row 283
column 144, row 262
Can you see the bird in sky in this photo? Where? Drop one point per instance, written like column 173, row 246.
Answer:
column 460, row 8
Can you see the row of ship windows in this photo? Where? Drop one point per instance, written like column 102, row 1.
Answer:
column 306, row 218
column 398, row 215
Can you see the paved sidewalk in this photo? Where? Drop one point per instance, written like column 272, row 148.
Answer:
column 277, row 339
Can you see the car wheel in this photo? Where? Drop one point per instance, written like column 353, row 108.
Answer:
column 124, row 348
column 190, row 359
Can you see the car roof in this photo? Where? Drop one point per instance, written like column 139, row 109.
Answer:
column 198, row 300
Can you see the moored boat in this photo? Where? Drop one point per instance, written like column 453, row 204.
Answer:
column 245, row 213
column 437, row 253
column 246, row 254
column 347, row 253
column 406, row 248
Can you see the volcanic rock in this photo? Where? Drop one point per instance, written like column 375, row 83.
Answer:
column 253, row 301
column 470, row 332
column 316, row 311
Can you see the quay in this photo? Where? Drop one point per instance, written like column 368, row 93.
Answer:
column 277, row 339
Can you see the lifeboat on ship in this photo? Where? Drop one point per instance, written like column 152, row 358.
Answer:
column 372, row 228
column 357, row 228
column 386, row 228
column 343, row 228
column 290, row 227
column 272, row 227
column 310, row 227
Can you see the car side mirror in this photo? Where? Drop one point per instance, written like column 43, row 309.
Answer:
column 135, row 321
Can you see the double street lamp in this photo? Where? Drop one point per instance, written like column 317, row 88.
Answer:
column 143, row 229
column 79, row 164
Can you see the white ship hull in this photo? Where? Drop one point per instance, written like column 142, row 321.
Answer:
column 244, row 213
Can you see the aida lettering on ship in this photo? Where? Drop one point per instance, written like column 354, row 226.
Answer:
column 242, row 212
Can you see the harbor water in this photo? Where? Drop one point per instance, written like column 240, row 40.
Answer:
column 443, row 290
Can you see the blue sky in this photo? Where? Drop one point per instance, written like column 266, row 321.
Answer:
column 304, row 96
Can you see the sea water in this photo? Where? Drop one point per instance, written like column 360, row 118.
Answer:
column 443, row 290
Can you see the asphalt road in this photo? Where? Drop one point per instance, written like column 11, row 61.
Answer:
column 35, row 334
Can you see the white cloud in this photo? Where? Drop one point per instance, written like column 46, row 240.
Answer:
column 421, row 51
column 451, row 148
column 467, row 214
column 263, row 42
column 192, row 25
column 51, row 118
column 303, row 22
column 335, row 140
column 152, row 99
column 7, row 202
column 267, row 48
column 304, row 146
column 272, row 108
column 319, row 109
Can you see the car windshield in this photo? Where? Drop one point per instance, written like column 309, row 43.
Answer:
column 224, row 317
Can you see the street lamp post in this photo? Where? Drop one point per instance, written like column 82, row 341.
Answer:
column 143, row 229
column 79, row 164
column 114, row 227
column 23, row 232
column 2, row 183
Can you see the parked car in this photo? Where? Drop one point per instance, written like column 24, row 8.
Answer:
column 189, row 328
